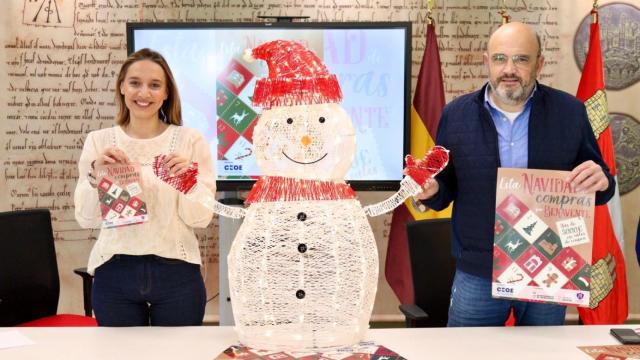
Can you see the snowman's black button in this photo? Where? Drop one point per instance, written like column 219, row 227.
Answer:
column 300, row 294
column 302, row 248
column 302, row 216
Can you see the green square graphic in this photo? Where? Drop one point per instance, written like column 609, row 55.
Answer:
column 548, row 244
column 124, row 196
column 239, row 116
column 500, row 228
column 581, row 278
column 512, row 244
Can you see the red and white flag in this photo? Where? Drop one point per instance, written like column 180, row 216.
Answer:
column 609, row 300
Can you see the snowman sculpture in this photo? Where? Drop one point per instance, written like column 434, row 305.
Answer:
column 303, row 268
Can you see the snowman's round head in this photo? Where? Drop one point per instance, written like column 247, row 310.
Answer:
column 302, row 133
column 315, row 142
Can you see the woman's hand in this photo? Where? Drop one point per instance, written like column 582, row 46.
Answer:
column 176, row 164
column 111, row 155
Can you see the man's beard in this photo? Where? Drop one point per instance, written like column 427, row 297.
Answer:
column 512, row 96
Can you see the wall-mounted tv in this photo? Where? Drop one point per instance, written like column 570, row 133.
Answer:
column 371, row 61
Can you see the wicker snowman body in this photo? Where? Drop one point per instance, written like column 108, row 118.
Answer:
column 303, row 285
column 303, row 268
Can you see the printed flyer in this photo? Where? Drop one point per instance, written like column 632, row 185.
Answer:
column 360, row 351
column 120, row 194
column 612, row 352
column 543, row 235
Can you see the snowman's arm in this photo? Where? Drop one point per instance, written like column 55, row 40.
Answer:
column 408, row 187
column 229, row 211
column 203, row 196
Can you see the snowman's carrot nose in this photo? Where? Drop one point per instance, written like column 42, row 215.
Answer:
column 306, row 140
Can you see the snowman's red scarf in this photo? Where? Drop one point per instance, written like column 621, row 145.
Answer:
column 276, row 188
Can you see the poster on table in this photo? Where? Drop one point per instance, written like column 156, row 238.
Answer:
column 360, row 351
column 612, row 352
column 543, row 235
column 120, row 195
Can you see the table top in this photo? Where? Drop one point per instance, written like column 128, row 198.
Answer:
column 206, row 342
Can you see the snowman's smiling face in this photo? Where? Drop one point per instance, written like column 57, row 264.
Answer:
column 306, row 142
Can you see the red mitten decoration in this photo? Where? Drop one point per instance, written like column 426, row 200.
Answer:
column 182, row 183
column 426, row 168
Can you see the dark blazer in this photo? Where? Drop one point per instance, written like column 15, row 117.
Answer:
column 560, row 138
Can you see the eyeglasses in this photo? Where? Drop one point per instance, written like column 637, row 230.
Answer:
column 520, row 61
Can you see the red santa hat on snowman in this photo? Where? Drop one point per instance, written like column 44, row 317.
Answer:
column 296, row 76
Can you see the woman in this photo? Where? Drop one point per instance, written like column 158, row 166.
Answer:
column 149, row 273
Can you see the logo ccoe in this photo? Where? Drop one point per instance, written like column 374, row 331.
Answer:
column 506, row 290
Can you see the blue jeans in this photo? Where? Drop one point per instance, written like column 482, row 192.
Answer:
column 472, row 305
column 148, row 290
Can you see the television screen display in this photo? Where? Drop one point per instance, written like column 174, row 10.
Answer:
column 371, row 61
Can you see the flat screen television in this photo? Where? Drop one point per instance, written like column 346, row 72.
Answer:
column 371, row 61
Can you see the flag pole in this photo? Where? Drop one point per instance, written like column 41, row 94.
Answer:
column 594, row 12
column 429, row 11
column 503, row 12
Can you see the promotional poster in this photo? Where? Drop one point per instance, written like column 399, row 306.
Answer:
column 120, row 195
column 542, row 238
column 612, row 352
column 362, row 350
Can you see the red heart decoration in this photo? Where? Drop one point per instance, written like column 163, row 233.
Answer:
column 184, row 182
column 429, row 166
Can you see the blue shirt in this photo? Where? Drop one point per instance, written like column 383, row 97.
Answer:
column 513, row 137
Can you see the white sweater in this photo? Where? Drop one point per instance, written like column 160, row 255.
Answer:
column 168, row 232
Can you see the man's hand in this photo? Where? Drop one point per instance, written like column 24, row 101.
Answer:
column 429, row 189
column 588, row 177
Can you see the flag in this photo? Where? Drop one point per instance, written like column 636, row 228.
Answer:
column 426, row 108
column 609, row 301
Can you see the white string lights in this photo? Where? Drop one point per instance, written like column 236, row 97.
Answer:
column 303, row 268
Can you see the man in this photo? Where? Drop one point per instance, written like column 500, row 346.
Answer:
column 513, row 121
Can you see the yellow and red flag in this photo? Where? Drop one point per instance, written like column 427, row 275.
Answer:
column 609, row 301
column 426, row 108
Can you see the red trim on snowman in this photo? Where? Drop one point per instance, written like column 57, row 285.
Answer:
column 277, row 188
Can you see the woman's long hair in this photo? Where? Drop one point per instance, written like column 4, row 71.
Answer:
column 170, row 111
